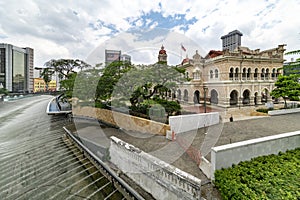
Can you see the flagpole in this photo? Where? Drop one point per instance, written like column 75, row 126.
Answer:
column 180, row 54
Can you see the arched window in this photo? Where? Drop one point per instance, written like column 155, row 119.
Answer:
column 179, row 94
column 262, row 75
column 244, row 73
column 186, row 74
column 255, row 74
column 267, row 74
column 231, row 73
column 216, row 73
column 273, row 73
column 236, row 73
column 249, row 73
column 211, row 74
column 185, row 95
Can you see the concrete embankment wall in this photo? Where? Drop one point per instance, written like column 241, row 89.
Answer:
column 127, row 122
column 184, row 123
column 226, row 155
column 157, row 177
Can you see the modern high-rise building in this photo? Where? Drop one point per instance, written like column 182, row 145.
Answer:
column 111, row 56
column 232, row 40
column 16, row 68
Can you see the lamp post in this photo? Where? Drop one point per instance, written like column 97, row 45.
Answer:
column 205, row 89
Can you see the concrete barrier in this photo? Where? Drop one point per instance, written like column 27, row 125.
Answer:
column 226, row 155
column 184, row 123
column 283, row 111
column 157, row 177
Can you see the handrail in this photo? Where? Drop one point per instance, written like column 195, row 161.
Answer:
column 124, row 185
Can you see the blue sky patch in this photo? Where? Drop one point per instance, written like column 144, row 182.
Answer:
column 157, row 20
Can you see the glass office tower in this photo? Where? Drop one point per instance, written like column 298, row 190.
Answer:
column 16, row 68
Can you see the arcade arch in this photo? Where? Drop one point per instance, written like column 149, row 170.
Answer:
column 196, row 97
column 214, row 96
column 233, row 97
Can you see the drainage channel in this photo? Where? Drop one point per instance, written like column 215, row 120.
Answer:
column 38, row 162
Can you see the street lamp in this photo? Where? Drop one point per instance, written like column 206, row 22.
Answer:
column 205, row 89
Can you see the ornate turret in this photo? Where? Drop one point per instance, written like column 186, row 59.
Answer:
column 162, row 55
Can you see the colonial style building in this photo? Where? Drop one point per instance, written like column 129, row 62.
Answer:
column 40, row 85
column 231, row 78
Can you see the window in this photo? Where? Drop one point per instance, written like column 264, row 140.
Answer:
column 244, row 73
column 262, row 74
column 236, row 73
column 211, row 74
column 267, row 74
column 231, row 74
column 273, row 73
column 248, row 73
column 255, row 74
column 186, row 75
column 196, row 75
column 216, row 73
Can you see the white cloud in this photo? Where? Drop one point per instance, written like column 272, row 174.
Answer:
column 61, row 29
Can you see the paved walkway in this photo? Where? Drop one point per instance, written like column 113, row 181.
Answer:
column 244, row 127
column 238, row 113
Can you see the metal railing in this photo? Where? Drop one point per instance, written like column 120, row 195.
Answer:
column 120, row 184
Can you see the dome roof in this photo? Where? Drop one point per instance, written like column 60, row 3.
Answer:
column 186, row 60
column 162, row 51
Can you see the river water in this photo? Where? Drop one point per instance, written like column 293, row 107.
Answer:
column 35, row 162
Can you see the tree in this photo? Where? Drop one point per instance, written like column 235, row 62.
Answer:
column 287, row 87
column 149, row 87
column 111, row 74
column 294, row 66
column 148, row 81
column 3, row 91
column 86, row 83
column 68, row 84
column 66, row 66
column 46, row 75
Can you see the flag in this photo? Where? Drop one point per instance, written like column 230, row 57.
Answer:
column 182, row 47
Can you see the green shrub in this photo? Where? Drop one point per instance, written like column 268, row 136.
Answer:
column 264, row 177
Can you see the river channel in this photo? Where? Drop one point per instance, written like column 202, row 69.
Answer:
column 36, row 163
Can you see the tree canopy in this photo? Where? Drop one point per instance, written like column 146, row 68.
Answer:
column 86, row 83
column 287, row 87
column 110, row 76
column 46, row 75
column 66, row 66
column 147, row 81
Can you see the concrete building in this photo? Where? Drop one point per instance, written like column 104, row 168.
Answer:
column 126, row 58
column 231, row 78
column 16, row 68
column 232, row 40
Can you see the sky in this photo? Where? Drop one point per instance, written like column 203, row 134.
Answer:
column 83, row 29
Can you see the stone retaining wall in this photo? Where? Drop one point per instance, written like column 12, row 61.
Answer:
column 226, row 155
column 127, row 122
column 157, row 177
column 283, row 111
